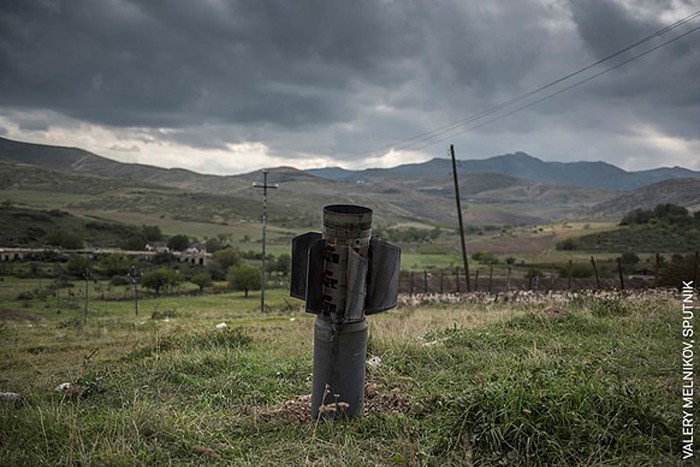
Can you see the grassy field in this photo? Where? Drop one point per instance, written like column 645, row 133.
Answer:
column 592, row 381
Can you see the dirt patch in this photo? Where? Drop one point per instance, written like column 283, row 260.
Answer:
column 16, row 315
column 377, row 400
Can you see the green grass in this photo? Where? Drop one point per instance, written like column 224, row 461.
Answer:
column 483, row 384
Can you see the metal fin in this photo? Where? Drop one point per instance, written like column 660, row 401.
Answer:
column 300, row 260
column 383, row 276
column 314, row 285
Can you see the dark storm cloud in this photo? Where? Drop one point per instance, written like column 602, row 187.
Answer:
column 661, row 87
column 331, row 77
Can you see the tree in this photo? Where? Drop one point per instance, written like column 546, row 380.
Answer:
column 213, row 245
column 63, row 239
column 160, row 279
column 567, row 245
column 152, row 233
column 78, row 265
column 115, row 264
column 283, row 263
column 680, row 268
column 222, row 260
column 243, row 277
column 202, row 279
column 135, row 243
column 629, row 259
column 178, row 242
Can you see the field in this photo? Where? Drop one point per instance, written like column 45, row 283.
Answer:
column 539, row 380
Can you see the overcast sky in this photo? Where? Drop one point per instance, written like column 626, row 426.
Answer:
column 230, row 86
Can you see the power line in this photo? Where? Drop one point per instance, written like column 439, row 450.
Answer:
column 554, row 94
column 429, row 135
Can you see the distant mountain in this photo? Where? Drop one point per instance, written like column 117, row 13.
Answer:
column 682, row 191
column 599, row 175
column 510, row 189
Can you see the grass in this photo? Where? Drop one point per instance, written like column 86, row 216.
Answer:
column 596, row 383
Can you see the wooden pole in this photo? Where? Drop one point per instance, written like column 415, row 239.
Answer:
column 442, row 281
column 459, row 216
column 457, row 278
column 490, row 278
column 619, row 270
column 508, row 280
column 595, row 271
column 551, row 278
column 425, row 281
column 412, row 282
column 571, row 265
column 264, row 187
column 476, row 281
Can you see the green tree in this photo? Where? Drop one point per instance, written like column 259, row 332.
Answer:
column 135, row 243
column 567, row 245
column 243, row 277
column 160, row 279
column 629, row 259
column 202, row 279
column 213, row 245
column 283, row 263
column 680, row 268
column 222, row 260
column 64, row 239
column 115, row 264
column 78, row 265
column 152, row 233
column 178, row 242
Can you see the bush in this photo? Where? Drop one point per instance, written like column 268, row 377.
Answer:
column 567, row 245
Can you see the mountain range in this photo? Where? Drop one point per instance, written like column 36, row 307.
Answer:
column 509, row 189
column 601, row 175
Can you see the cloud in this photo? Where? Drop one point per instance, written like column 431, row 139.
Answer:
column 328, row 82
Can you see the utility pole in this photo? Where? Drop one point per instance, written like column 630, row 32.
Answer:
column 134, row 280
column 86, row 275
column 264, row 187
column 459, row 215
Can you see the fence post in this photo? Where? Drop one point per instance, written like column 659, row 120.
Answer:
column 595, row 271
column 551, row 278
column 490, row 277
column 412, row 281
column 442, row 280
column 425, row 281
column 457, row 278
column 619, row 270
column 476, row 281
column 568, row 286
column 508, row 280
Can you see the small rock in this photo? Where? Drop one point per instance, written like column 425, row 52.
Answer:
column 221, row 326
column 374, row 362
column 63, row 387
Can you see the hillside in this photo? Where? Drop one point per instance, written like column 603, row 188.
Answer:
column 499, row 190
column 684, row 192
column 32, row 228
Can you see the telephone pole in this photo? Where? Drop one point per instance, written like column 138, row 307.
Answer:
column 264, row 187
column 459, row 216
